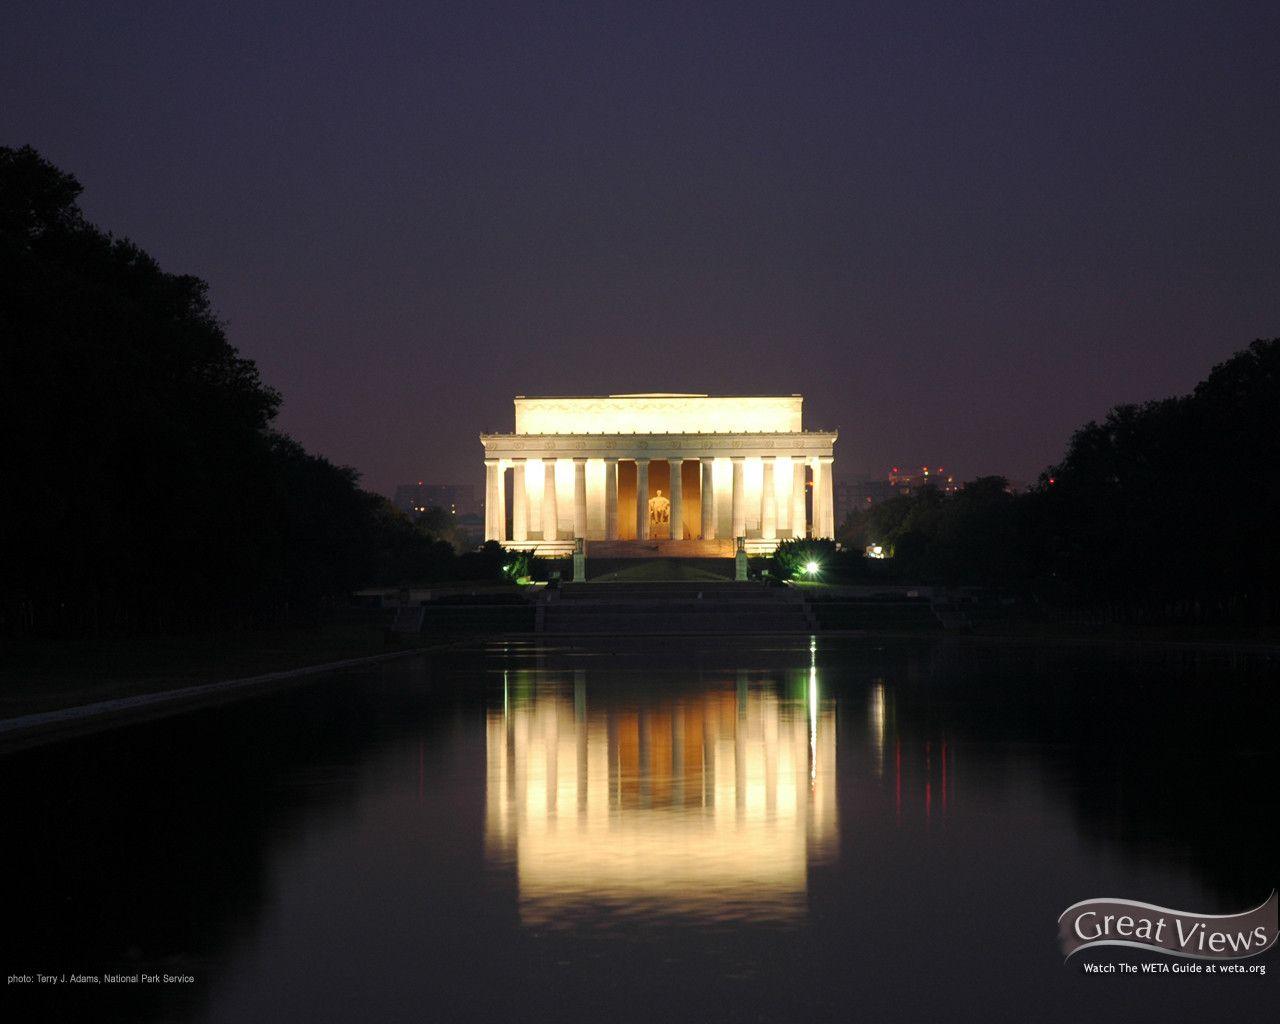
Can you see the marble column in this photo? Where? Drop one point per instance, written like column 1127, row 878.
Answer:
column 579, row 497
column 610, row 499
column 550, row 511
column 708, row 500
column 797, row 497
column 495, row 512
column 519, row 503
column 739, row 508
column 642, row 499
column 768, row 503
column 677, row 500
column 824, row 512
column 780, row 472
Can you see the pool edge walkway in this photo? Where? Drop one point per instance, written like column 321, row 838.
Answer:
column 26, row 730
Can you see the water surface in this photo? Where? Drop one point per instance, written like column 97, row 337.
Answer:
column 688, row 830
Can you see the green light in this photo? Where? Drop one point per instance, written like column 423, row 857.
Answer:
column 812, row 568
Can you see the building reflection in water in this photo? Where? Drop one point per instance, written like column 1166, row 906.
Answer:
column 875, row 726
column 710, row 801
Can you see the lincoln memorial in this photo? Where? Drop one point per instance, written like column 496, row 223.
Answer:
column 669, row 474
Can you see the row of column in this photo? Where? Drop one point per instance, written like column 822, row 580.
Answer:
column 496, row 515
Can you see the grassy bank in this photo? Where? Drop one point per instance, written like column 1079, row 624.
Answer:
column 40, row 676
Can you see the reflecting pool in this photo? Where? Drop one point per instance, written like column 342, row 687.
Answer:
column 692, row 829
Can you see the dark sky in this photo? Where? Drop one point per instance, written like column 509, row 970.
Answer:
column 960, row 230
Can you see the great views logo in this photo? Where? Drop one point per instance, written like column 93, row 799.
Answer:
column 1114, row 922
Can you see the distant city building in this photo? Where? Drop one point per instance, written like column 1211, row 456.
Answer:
column 908, row 480
column 457, row 499
column 407, row 497
column 854, row 496
column 470, row 529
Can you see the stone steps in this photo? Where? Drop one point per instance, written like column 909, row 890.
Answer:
column 659, row 548
column 670, row 622
column 699, row 590
column 657, row 608
column 655, row 547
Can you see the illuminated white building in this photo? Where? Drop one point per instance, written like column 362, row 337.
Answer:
column 684, row 473
column 714, row 805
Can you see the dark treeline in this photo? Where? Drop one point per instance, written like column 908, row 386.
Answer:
column 1167, row 511
column 143, row 486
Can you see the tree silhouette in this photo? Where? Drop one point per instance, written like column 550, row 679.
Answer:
column 1164, row 511
column 143, row 485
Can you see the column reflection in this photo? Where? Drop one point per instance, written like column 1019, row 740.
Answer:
column 711, row 802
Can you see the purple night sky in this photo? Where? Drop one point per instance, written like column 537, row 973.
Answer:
column 959, row 229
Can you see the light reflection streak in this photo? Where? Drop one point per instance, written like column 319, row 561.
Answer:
column 813, row 712
column 944, row 777
column 876, row 725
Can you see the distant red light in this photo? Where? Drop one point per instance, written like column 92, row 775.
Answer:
column 1052, row 480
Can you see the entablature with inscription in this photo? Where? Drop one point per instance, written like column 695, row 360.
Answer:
column 803, row 444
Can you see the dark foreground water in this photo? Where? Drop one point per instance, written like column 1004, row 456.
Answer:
column 656, row 830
